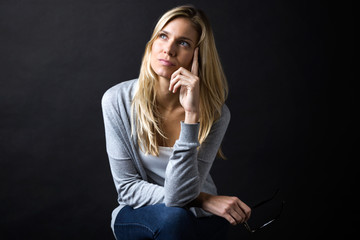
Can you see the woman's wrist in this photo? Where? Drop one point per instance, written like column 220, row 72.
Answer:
column 200, row 200
column 191, row 117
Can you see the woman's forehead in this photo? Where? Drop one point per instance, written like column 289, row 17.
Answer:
column 181, row 27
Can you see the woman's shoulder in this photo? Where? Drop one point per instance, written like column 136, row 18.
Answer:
column 122, row 87
column 225, row 114
column 123, row 91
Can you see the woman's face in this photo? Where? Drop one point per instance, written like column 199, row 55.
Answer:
column 174, row 47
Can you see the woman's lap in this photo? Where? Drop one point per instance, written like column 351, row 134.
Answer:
column 161, row 222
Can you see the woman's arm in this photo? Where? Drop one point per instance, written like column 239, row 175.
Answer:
column 188, row 83
column 132, row 189
column 189, row 167
column 228, row 207
column 182, row 179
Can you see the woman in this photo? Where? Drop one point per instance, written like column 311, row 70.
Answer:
column 163, row 132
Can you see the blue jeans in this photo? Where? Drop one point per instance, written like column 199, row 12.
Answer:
column 167, row 223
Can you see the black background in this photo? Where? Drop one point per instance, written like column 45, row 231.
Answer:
column 290, row 69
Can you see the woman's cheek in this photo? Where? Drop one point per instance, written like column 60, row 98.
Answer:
column 155, row 46
column 188, row 62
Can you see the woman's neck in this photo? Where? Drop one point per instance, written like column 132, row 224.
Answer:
column 166, row 100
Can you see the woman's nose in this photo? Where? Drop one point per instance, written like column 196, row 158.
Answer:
column 170, row 48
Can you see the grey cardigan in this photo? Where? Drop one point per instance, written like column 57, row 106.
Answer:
column 187, row 173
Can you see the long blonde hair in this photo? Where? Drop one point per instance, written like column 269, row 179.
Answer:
column 213, row 83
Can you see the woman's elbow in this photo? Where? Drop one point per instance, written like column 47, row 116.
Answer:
column 181, row 198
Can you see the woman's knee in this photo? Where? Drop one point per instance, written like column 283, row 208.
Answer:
column 176, row 215
column 177, row 223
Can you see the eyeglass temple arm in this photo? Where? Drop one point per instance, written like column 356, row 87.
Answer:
column 267, row 223
column 266, row 200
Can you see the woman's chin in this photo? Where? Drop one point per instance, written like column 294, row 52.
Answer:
column 164, row 74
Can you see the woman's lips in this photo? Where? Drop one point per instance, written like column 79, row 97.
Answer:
column 166, row 62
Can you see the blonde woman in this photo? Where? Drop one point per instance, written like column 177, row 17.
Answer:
column 163, row 132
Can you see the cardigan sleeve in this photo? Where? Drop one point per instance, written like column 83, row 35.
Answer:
column 189, row 165
column 131, row 188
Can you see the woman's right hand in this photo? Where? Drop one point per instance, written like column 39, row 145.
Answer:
column 230, row 208
column 189, row 85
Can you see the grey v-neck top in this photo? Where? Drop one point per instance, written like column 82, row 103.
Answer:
column 187, row 171
column 155, row 166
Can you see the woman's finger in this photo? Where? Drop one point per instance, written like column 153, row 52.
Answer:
column 181, row 81
column 174, row 74
column 178, row 76
column 173, row 81
column 245, row 208
column 175, row 77
column 177, row 85
column 238, row 215
column 181, row 71
column 230, row 219
column 195, row 63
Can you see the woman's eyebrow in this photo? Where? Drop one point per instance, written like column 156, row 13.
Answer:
column 181, row 37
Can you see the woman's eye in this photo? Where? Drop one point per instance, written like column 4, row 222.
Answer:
column 162, row 36
column 184, row 43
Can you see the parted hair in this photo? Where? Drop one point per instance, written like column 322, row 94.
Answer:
column 213, row 84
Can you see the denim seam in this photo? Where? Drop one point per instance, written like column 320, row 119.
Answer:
column 156, row 235
column 136, row 224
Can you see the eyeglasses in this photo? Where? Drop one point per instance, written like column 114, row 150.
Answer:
column 277, row 216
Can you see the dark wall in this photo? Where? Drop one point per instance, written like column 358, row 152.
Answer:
column 290, row 69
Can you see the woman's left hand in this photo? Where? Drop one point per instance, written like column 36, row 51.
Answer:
column 189, row 84
column 231, row 208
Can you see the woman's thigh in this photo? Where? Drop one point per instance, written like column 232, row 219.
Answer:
column 161, row 222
